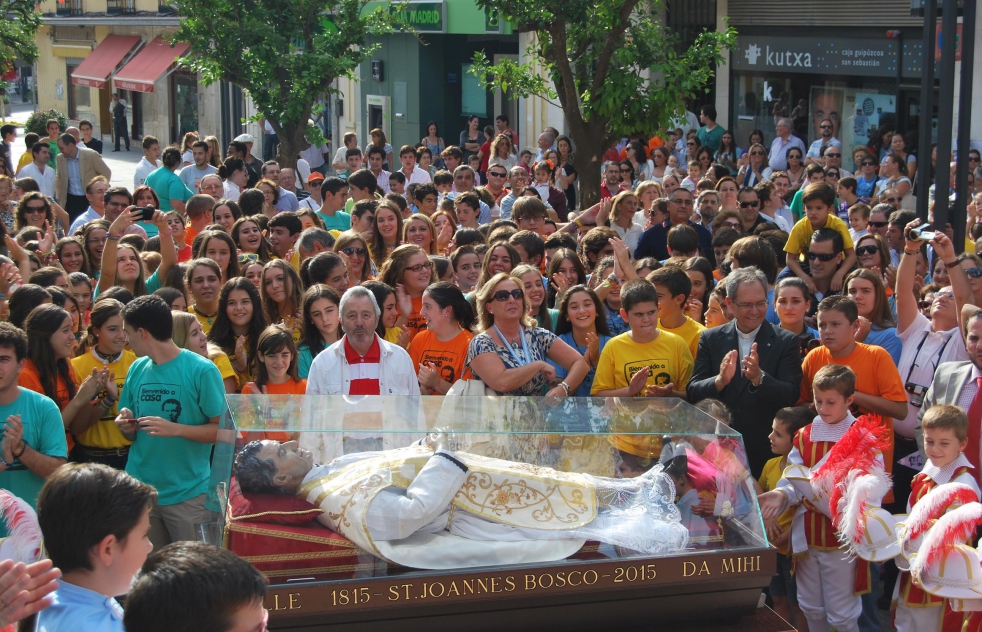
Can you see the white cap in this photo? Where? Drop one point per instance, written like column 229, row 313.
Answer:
column 245, row 138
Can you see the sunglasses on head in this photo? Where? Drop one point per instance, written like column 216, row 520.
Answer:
column 877, row 224
column 867, row 250
column 351, row 251
column 753, row 204
column 814, row 255
column 502, row 295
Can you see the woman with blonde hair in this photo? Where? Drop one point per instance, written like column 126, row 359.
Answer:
column 352, row 245
column 187, row 334
column 623, row 210
column 511, row 354
column 531, row 279
column 419, row 230
column 189, row 139
column 214, row 152
column 501, row 153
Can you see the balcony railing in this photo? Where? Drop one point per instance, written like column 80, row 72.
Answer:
column 69, row 7
column 117, row 7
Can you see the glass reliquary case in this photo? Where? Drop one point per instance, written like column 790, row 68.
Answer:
column 486, row 511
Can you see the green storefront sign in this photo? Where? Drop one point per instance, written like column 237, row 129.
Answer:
column 424, row 17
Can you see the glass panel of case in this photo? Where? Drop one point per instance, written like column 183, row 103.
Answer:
column 348, row 487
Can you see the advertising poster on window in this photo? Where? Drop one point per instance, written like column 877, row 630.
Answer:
column 826, row 103
column 865, row 111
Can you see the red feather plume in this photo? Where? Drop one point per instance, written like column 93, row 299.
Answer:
column 955, row 527
column 934, row 505
column 856, row 450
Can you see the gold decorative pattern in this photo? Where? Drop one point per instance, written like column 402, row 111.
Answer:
column 296, row 537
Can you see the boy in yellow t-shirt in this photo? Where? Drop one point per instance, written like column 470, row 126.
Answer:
column 783, row 589
column 819, row 201
column 643, row 361
column 674, row 286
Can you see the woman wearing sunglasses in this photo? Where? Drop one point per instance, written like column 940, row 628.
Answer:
column 971, row 265
column 510, row 354
column 873, row 253
column 355, row 251
column 876, row 324
column 752, row 166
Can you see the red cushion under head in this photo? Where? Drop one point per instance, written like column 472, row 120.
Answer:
column 270, row 508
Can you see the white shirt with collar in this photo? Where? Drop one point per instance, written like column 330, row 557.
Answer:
column 746, row 341
column 420, row 176
column 45, row 179
column 330, row 373
column 777, row 158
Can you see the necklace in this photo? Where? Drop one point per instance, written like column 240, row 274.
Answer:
column 209, row 317
column 106, row 359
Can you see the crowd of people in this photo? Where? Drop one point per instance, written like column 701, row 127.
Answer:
column 706, row 272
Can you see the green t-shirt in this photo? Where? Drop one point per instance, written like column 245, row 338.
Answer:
column 711, row 139
column 43, row 431
column 798, row 208
column 168, row 186
column 53, row 146
column 188, row 390
column 339, row 221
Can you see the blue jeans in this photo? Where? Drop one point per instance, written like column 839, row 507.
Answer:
column 869, row 620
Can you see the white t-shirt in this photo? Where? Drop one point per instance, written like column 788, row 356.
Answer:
column 143, row 169
column 924, row 350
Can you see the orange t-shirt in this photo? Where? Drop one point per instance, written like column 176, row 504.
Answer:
column 448, row 357
column 416, row 322
column 290, row 387
column 30, row 378
column 189, row 234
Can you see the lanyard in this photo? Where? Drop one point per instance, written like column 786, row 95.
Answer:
column 526, row 357
column 917, row 352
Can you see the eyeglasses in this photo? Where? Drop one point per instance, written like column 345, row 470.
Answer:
column 419, row 267
column 833, row 155
column 867, row 164
column 733, row 225
column 691, row 144
column 794, row 157
column 761, row 305
column 683, row 202
column 824, row 127
column 497, row 174
column 754, row 204
column 502, row 295
column 351, row 251
column 814, row 255
column 867, row 250
column 877, row 224
column 974, row 273
column 948, row 296
column 891, row 199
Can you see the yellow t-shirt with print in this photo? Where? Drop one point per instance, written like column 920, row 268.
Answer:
column 104, row 434
column 667, row 355
column 801, row 234
column 769, row 477
column 689, row 331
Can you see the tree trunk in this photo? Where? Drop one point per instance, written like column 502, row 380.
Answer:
column 589, row 165
column 291, row 137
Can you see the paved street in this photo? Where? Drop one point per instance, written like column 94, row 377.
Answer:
column 122, row 163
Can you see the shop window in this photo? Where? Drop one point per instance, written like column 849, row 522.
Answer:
column 79, row 97
column 184, row 103
column 473, row 96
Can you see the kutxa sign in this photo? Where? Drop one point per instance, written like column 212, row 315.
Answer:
column 820, row 56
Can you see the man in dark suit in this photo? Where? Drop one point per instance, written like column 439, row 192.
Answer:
column 750, row 365
column 654, row 241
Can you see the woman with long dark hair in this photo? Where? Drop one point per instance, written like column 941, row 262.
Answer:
column 203, row 281
column 282, row 292
column 700, row 272
column 386, row 232
column 247, row 234
column 48, row 370
column 581, row 325
column 238, row 324
column 219, row 247
column 877, row 326
column 565, row 271
column 325, row 268
column 321, row 322
column 410, row 271
column 439, row 351
column 434, row 142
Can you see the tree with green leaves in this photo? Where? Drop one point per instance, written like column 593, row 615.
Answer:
column 285, row 54
column 17, row 31
column 614, row 68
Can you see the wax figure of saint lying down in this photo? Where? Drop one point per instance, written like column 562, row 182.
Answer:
column 427, row 507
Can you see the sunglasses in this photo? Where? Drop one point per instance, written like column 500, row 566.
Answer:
column 248, row 257
column 974, row 273
column 502, row 295
column 824, row 127
column 867, row 250
column 420, row 266
column 829, row 257
column 974, row 159
column 351, row 251
column 625, row 171
column 749, row 204
column 756, row 153
column 877, row 224
column 794, row 156
column 833, row 155
column 868, row 164
column 497, row 174
column 891, row 199
column 34, row 209
column 924, row 304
